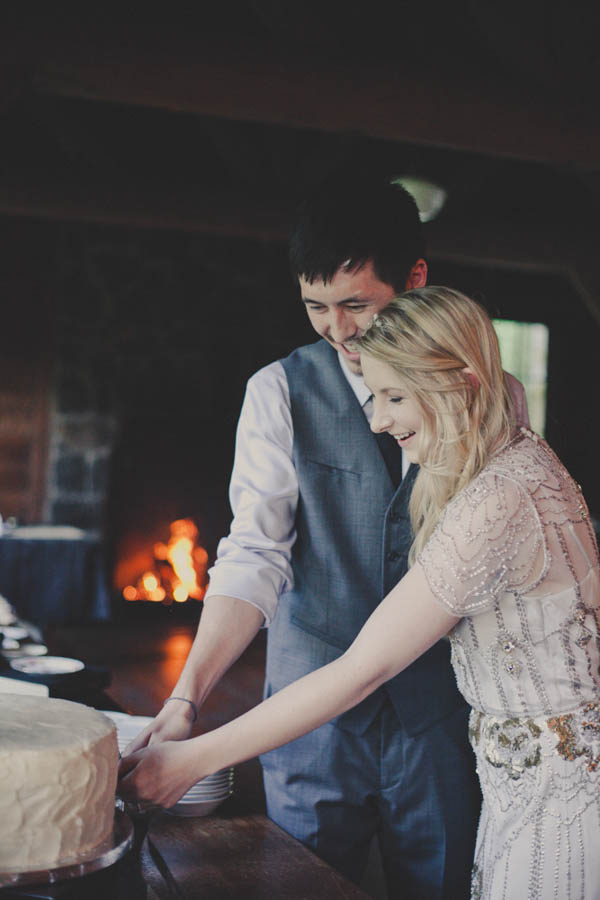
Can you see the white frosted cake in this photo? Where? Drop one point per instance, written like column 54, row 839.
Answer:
column 58, row 774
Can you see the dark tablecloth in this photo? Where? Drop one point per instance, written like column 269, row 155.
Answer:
column 54, row 581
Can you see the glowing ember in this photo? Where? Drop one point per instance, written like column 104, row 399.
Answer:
column 179, row 571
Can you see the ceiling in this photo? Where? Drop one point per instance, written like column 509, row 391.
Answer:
column 210, row 118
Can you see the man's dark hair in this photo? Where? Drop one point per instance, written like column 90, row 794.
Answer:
column 350, row 219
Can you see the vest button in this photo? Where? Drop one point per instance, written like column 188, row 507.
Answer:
column 393, row 555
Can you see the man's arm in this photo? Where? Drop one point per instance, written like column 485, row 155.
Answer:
column 227, row 626
column 404, row 625
column 253, row 564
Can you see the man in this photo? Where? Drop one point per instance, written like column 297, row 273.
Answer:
column 320, row 534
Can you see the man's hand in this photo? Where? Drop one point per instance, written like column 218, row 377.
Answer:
column 173, row 723
column 159, row 775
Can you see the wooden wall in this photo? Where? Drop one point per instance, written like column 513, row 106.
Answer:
column 26, row 351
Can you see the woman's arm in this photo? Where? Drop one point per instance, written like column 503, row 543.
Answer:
column 407, row 622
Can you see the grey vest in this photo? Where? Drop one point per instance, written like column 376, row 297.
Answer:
column 353, row 537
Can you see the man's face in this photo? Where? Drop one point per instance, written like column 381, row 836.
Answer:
column 341, row 309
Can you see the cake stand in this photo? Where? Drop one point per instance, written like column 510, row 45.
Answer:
column 105, row 854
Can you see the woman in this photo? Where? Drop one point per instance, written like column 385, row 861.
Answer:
column 504, row 560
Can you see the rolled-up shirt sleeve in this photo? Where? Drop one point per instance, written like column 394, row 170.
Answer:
column 519, row 399
column 254, row 561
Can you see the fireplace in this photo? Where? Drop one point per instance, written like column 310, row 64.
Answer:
column 174, row 572
column 154, row 337
column 165, row 509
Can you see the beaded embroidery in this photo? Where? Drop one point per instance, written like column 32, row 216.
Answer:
column 514, row 556
column 476, row 883
column 508, row 646
column 512, row 744
column 574, row 729
column 517, row 527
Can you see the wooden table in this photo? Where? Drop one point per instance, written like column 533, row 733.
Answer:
column 238, row 851
column 245, row 856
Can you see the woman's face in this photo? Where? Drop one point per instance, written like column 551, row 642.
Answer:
column 393, row 410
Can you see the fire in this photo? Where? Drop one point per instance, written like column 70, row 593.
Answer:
column 179, row 570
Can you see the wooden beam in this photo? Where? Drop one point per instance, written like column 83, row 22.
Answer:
column 411, row 98
column 141, row 205
column 535, row 248
column 531, row 248
column 385, row 101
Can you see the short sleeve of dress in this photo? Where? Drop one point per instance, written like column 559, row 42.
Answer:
column 489, row 540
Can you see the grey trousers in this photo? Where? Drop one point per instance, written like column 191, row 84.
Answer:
column 334, row 790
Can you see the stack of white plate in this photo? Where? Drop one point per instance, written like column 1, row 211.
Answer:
column 203, row 797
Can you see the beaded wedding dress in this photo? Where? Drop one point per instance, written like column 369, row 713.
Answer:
column 515, row 555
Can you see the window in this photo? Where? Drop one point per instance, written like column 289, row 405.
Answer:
column 524, row 350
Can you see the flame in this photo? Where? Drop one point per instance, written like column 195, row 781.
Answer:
column 180, row 567
column 150, row 582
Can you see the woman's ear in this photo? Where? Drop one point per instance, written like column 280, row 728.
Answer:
column 475, row 383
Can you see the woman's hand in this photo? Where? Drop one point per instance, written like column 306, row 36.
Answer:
column 173, row 723
column 159, row 775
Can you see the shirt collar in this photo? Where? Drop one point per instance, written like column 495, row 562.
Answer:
column 356, row 382
column 363, row 394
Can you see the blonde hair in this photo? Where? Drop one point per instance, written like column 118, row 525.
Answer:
column 429, row 336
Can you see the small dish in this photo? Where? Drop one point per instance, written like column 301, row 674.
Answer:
column 196, row 808
column 33, row 649
column 46, row 665
column 203, row 797
column 15, row 632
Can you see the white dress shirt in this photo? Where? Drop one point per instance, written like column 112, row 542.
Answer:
column 254, row 561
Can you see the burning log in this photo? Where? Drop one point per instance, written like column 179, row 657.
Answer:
column 179, row 570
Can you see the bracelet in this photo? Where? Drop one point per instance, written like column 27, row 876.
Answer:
column 185, row 700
